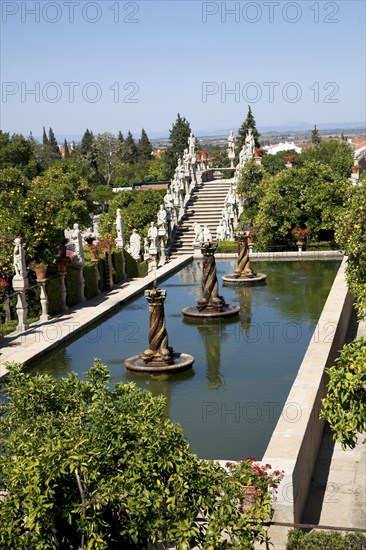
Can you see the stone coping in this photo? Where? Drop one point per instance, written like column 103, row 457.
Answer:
column 287, row 255
column 296, row 439
column 41, row 337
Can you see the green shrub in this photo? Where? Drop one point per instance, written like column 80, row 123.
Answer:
column 103, row 279
column 53, row 289
column 117, row 266
column 132, row 268
column 227, row 247
column 72, row 287
column 323, row 540
column 90, row 282
column 143, row 269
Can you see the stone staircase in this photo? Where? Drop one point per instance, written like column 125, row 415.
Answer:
column 204, row 207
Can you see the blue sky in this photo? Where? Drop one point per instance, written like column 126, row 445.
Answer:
column 117, row 65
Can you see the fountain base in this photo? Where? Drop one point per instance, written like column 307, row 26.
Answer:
column 181, row 362
column 232, row 279
column 228, row 310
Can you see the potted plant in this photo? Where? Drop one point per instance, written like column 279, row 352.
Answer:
column 258, row 485
column 94, row 250
column 39, row 267
column 299, row 234
column 62, row 261
column 107, row 243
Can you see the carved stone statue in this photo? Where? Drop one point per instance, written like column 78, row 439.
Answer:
column 153, row 235
column 19, row 259
column 207, row 237
column 186, row 163
column 198, row 233
column 168, row 200
column 162, row 218
column 231, row 148
column 146, row 246
column 78, row 244
column 220, row 232
column 192, row 145
column 135, row 244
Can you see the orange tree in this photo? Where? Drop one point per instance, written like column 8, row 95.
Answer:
column 39, row 210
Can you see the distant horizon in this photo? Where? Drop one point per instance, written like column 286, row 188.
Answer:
column 295, row 128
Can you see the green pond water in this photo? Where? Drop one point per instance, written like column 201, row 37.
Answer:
column 229, row 403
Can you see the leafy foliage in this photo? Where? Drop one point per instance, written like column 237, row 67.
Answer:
column 338, row 155
column 85, row 467
column 275, row 163
column 351, row 235
column 316, row 540
column 138, row 208
column 309, row 196
column 344, row 407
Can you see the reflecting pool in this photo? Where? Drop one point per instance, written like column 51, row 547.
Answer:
column 229, row 403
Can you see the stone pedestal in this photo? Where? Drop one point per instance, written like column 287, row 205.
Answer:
column 44, row 300
column 97, row 274
column 211, row 304
column 159, row 357
column 82, row 285
column 244, row 274
column 63, row 291
column 153, row 261
column 20, row 285
column 197, row 250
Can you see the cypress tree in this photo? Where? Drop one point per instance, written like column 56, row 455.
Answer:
column 66, row 150
column 144, row 147
column 52, row 142
column 315, row 138
column 249, row 122
column 86, row 145
column 178, row 141
column 45, row 138
column 129, row 150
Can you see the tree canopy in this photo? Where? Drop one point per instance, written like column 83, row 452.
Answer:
column 83, row 466
column 178, row 141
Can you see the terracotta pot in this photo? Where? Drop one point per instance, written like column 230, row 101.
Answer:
column 204, row 155
column 249, row 497
column 40, row 273
column 250, row 240
column 198, row 155
column 62, row 267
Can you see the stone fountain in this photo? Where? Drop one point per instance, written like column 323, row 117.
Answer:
column 159, row 357
column 244, row 273
column 210, row 304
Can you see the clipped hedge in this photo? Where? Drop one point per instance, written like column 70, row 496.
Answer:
column 72, row 287
column 132, row 268
column 53, row 289
column 324, row 540
column 227, row 247
column 117, row 266
column 91, row 289
column 103, row 279
column 143, row 269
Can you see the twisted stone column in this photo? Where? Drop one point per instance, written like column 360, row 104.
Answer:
column 210, row 286
column 159, row 350
column 243, row 268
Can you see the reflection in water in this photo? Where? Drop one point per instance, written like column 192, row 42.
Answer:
column 211, row 336
column 244, row 294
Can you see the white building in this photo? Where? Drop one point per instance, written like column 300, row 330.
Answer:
column 287, row 146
